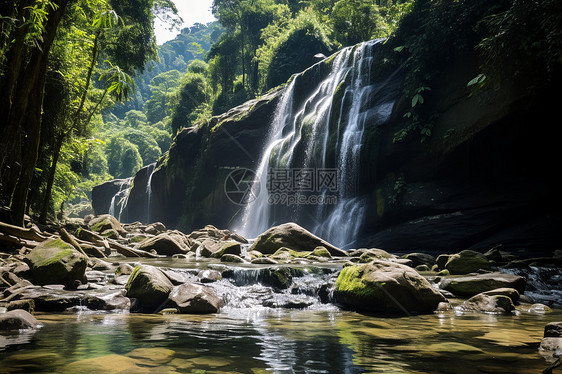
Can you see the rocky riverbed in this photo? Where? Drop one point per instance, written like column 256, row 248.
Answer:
column 98, row 265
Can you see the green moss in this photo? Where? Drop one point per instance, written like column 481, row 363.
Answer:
column 58, row 257
column 351, row 282
column 320, row 252
column 132, row 277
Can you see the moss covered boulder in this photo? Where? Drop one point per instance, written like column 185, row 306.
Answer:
column 56, row 262
column 382, row 287
column 149, row 286
column 467, row 261
column 105, row 222
column 294, row 237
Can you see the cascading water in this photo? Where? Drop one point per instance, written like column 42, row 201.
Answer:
column 119, row 200
column 152, row 168
column 320, row 134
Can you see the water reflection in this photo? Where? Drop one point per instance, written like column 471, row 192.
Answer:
column 280, row 341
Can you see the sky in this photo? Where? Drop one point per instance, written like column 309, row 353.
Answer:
column 192, row 11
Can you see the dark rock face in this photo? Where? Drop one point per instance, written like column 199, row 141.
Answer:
column 137, row 202
column 103, row 193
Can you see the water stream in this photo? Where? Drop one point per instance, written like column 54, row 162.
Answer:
column 281, row 341
column 268, row 328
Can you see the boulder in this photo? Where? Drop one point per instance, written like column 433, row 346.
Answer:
column 107, row 302
column 106, row 222
column 466, row 262
column 475, row 284
column 365, row 255
column 149, row 286
column 17, row 319
column 497, row 304
column 551, row 349
column 155, row 228
column 512, row 293
column 209, row 248
column 279, row 277
column 56, row 262
column 292, row 236
column 233, row 258
column 194, row 299
column 165, row 244
column 420, row 259
column 383, row 287
column 209, row 276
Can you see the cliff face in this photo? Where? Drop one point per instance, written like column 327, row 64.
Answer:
column 485, row 176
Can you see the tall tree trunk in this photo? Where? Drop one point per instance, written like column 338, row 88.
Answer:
column 51, row 180
column 23, row 116
column 62, row 136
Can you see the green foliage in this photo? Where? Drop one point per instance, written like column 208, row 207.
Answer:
column 524, row 41
column 290, row 47
column 124, row 158
column 190, row 97
column 162, row 87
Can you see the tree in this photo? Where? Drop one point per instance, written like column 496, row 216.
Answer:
column 29, row 29
column 355, row 21
column 191, row 95
column 161, row 87
column 21, row 102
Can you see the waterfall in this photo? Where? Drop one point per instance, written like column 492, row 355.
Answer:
column 152, row 168
column 119, row 200
column 310, row 160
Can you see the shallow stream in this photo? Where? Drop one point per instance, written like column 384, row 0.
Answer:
column 263, row 330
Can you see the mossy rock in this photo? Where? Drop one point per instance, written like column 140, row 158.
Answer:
column 320, row 251
column 105, row 222
column 56, row 262
column 466, row 262
column 277, row 277
column 383, row 287
column 227, row 248
column 149, row 286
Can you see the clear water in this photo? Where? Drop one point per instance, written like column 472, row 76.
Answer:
column 282, row 341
